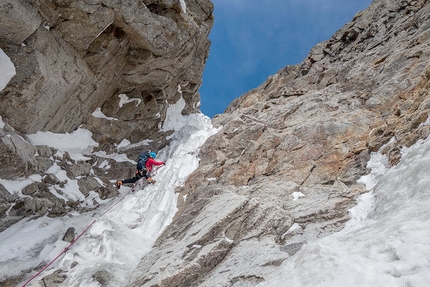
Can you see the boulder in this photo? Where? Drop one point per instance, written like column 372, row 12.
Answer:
column 69, row 236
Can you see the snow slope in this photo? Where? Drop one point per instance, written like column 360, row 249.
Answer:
column 123, row 229
column 387, row 240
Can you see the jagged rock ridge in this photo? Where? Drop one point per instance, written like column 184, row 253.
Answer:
column 308, row 129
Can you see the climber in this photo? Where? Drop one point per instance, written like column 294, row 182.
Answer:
column 143, row 169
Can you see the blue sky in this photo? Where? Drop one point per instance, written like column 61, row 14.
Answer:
column 253, row 39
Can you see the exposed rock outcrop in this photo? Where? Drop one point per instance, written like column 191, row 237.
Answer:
column 283, row 170
column 72, row 57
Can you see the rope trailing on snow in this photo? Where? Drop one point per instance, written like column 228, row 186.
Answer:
column 73, row 242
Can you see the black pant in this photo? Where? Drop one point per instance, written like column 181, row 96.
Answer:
column 137, row 176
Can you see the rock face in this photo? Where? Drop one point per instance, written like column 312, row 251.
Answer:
column 281, row 172
column 72, row 57
column 43, row 196
column 127, row 59
column 283, row 169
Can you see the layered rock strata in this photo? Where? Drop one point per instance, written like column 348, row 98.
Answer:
column 283, row 169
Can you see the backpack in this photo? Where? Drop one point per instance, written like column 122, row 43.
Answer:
column 141, row 161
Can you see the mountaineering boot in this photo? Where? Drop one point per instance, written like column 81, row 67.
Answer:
column 150, row 180
column 118, row 184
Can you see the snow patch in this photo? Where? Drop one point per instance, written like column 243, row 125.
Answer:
column 176, row 121
column 2, row 124
column 174, row 118
column 295, row 227
column 16, row 186
column 183, row 6
column 123, row 143
column 126, row 144
column 296, row 195
column 378, row 164
column 77, row 143
column 99, row 114
column 124, row 100
column 7, row 70
column 231, row 241
column 115, row 156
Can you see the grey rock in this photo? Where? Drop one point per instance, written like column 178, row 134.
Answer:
column 51, row 179
column 79, row 169
column 102, row 277
column 88, row 184
column 19, row 209
column 105, row 189
column 13, row 165
column 42, row 164
column 20, row 158
column 31, row 206
column 59, row 209
column 7, row 200
column 106, row 192
column 20, row 146
column 5, row 196
column 3, row 208
column 31, row 188
column 54, row 279
column 18, row 20
column 44, row 151
column 41, row 202
column 12, row 282
column 292, row 248
column 69, row 236
column 119, row 170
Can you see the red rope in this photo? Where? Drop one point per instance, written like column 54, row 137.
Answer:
column 68, row 246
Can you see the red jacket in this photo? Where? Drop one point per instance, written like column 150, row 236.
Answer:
column 150, row 162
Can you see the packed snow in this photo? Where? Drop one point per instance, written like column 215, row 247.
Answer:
column 77, row 143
